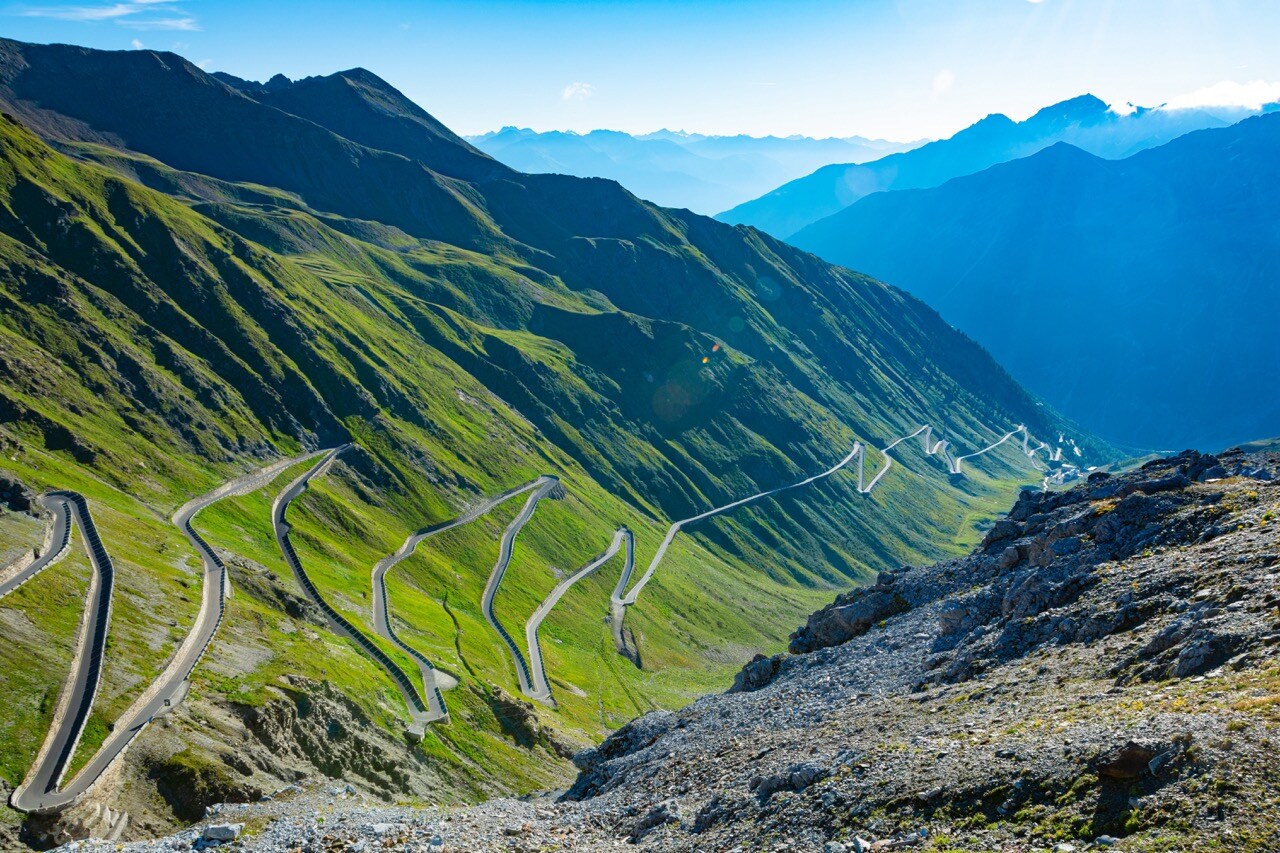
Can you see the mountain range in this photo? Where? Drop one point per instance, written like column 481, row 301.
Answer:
column 700, row 172
column 1085, row 122
column 203, row 275
column 1137, row 295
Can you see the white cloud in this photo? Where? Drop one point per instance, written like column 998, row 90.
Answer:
column 136, row 45
column 134, row 14
column 943, row 81
column 186, row 24
column 1228, row 93
column 83, row 13
column 577, row 91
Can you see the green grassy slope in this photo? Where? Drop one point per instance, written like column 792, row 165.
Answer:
column 163, row 330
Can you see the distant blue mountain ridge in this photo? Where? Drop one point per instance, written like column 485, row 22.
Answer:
column 1139, row 296
column 1085, row 122
column 703, row 173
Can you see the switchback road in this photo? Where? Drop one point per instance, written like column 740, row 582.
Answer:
column 545, row 485
column 39, row 792
column 432, row 678
column 541, row 689
column 623, row 599
column 418, row 710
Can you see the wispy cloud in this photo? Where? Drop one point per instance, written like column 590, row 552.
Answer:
column 83, row 13
column 943, row 81
column 136, row 45
column 134, row 14
column 577, row 91
column 188, row 24
column 1228, row 93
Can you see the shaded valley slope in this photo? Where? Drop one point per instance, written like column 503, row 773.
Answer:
column 1137, row 295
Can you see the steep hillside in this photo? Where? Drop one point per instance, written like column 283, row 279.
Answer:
column 182, row 301
column 1085, row 122
column 1155, row 274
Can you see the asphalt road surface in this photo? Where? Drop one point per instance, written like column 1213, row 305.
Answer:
column 540, row 688
column 418, row 709
column 39, row 793
column 545, row 485
column 433, row 680
column 623, row 599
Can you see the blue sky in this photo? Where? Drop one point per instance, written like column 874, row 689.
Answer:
column 895, row 68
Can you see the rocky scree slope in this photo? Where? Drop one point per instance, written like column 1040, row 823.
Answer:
column 1105, row 664
column 1102, row 672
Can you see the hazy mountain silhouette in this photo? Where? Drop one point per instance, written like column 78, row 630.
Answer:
column 1085, row 122
column 1137, row 295
column 703, row 173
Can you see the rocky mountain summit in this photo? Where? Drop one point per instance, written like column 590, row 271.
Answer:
column 1101, row 672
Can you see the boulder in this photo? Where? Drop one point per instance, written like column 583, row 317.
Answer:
column 1009, row 557
column 222, row 831
column 851, row 615
column 794, row 778
column 1125, row 762
column 660, row 815
column 1203, row 650
column 955, row 617
column 756, row 674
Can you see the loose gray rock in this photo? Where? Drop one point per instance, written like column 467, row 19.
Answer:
column 223, row 831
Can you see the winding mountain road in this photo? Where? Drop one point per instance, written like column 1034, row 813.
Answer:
column 432, row 678
column 418, row 710
column 622, row 599
column 540, row 688
column 59, row 537
column 940, row 448
column 630, row 597
column 216, row 583
column 545, row 485
column 39, row 792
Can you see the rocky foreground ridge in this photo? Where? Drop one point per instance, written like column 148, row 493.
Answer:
column 1102, row 671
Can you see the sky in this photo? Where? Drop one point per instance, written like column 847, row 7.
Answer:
column 895, row 69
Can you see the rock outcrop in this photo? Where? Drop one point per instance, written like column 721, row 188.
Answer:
column 851, row 614
column 15, row 495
